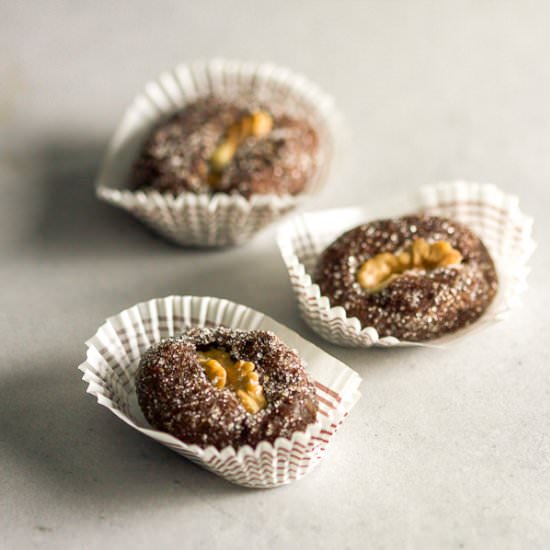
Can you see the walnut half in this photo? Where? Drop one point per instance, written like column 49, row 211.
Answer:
column 380, row 270
column 238, row 376
column 257, row 124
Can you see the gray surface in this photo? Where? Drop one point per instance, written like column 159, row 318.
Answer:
column 447, row 449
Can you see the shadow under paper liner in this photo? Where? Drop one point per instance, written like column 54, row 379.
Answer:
column 70, row 446
column 70, row 221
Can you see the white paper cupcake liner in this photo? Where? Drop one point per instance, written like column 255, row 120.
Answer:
column 492, row 214
column 113, row 357
column 219, row 219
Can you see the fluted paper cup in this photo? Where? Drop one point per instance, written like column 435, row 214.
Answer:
column 218, row 219
column 493, row 215
column 114, row 353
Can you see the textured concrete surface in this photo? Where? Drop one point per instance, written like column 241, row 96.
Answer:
column 447, row 449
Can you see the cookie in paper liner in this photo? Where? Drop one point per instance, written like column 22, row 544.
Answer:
column 492, row 214
column 114, row 353
column 219, row 219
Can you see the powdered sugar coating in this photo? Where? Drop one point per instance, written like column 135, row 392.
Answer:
column 417, row 305
column 177, row 397
column 176, row 156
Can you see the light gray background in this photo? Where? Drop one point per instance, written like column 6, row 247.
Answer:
column 447, row 449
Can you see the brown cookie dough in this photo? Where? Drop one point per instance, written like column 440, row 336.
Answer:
column 263, row 393
column 214, row 145
column 415, row 278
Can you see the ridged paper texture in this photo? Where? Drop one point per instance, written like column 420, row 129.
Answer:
column 220, row 219
column 492, row 214
column 113, row 357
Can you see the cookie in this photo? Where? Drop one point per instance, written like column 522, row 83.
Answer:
column 219, row 146
column 415, row 278
column 225, row 387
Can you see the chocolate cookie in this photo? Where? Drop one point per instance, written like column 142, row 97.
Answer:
column 415, row 278
column 214, row 145
column 225, row 387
